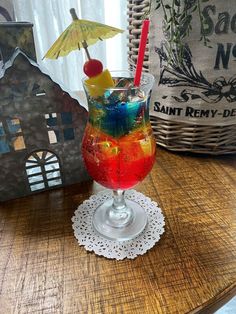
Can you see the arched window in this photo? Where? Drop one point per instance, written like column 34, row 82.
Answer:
column 43, row 170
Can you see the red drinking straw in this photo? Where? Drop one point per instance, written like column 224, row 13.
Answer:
column 141, row 52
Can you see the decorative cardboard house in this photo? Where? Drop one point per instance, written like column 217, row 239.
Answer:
column 41, row 128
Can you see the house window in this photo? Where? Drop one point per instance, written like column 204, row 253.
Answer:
column 60, row 127
column 11, row 136
column 43, row 170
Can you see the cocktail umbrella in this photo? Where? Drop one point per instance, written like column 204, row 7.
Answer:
column 80, row 33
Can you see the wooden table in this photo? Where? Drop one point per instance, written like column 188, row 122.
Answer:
column 192, row 269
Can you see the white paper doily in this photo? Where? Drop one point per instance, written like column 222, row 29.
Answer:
column 92, row 241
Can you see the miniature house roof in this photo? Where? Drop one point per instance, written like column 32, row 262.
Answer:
column 18, row 52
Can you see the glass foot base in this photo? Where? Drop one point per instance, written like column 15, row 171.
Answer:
column 127, row 226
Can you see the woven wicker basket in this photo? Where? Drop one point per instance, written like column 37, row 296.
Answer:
column 177, row 136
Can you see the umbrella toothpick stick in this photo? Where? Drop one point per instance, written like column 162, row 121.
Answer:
column 84, row 43
column 86, row 49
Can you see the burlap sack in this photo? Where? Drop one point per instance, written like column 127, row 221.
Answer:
column 192, row 53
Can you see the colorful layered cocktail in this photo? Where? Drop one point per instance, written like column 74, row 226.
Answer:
column 118, row 146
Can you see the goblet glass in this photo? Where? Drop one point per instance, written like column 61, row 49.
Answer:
column 118, row 148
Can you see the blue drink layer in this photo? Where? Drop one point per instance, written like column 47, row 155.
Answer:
column 118, row 118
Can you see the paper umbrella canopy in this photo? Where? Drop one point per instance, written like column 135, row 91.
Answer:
column 80, row 34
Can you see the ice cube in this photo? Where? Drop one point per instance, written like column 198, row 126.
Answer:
column 121, row 95
column 136, row 95
column 130, row 93
column 124, row 82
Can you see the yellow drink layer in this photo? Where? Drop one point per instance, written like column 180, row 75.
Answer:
column 97, row 84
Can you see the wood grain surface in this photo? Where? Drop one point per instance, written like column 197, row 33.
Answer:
column 192, row 269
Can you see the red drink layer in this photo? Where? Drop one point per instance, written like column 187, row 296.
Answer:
column 118, row 163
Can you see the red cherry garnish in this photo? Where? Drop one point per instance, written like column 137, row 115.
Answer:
column 93, row 67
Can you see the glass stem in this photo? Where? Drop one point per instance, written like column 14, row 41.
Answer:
column 119, row 200
column 119, row 214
